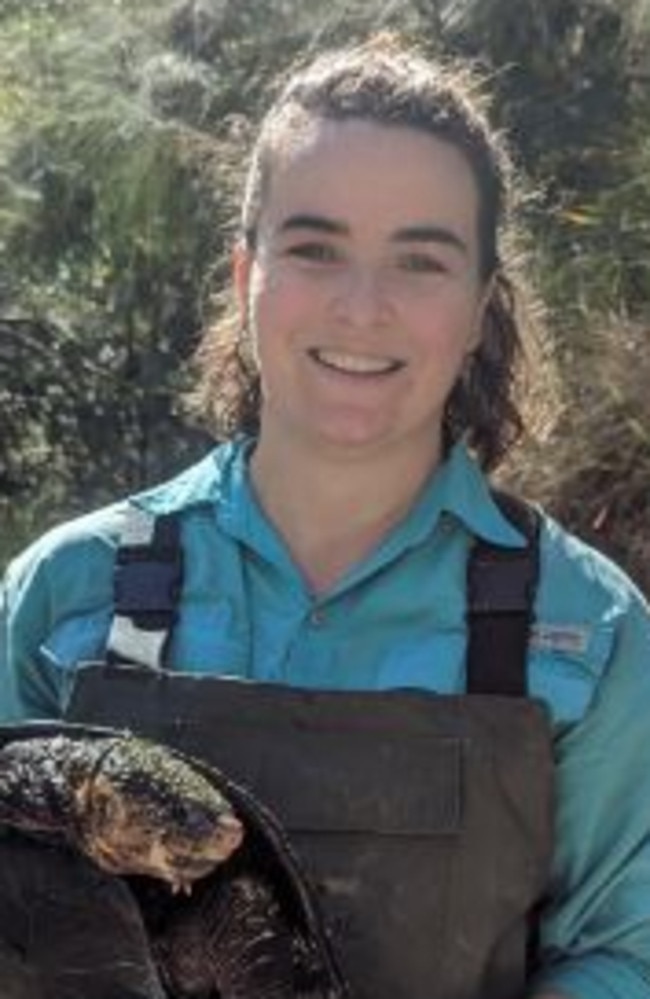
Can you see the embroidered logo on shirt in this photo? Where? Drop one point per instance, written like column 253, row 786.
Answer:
column 570, row 638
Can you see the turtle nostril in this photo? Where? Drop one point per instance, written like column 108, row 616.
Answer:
column 230, row 825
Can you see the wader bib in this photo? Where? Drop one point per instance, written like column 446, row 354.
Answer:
column 423, row 820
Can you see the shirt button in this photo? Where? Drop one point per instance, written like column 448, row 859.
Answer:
column 317, row 618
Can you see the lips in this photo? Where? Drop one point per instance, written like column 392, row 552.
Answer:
column 363, row 365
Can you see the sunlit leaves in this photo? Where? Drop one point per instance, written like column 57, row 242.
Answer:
column 122, row 127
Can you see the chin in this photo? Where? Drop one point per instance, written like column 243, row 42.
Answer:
column 352, row 440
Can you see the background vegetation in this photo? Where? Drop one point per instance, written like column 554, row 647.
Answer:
column 123, row 125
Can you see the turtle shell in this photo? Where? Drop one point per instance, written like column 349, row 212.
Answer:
column 250, row 929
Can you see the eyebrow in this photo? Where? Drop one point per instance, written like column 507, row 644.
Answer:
column 409, row 234
column 317, row 222
column 431, row 234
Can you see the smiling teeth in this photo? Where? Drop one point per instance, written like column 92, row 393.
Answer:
column 355, row 363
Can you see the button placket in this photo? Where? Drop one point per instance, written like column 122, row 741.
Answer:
column 316, row 617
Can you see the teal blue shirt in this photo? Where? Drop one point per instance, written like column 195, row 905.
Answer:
column 396, row 619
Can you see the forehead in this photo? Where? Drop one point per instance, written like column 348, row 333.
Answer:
column 362, row 172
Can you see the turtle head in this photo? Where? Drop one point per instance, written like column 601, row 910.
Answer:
column 147, row 811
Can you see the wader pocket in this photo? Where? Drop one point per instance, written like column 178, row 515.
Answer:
column 423, row 820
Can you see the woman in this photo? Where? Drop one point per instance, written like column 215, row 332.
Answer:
column 325, row 554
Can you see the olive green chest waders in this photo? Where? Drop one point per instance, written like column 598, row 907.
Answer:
column 423, row 820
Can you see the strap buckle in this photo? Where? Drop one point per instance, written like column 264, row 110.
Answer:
column 501, row 584
column 143, row 585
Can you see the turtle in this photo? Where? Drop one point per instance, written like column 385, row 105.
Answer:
column 206, row 872
column 127, row 803
column 236, row 940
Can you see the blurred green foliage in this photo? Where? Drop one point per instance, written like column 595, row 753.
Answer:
column 123, row 129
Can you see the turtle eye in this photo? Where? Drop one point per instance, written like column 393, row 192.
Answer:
column 194, row 820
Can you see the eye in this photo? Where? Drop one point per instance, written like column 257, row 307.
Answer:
column 314, row 251
column 418, row 262
column 193, row 820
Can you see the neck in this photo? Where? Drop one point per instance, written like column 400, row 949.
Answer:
column 333, row 508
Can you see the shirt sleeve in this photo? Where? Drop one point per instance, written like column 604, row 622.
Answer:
column 27, row 690
column 55, row 605
column 595, row 934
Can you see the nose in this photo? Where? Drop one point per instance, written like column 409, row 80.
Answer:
column 361, row 300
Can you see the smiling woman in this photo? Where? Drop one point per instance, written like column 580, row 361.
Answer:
column 436, row 679
column 376, row 321
column 361, row 314
column 402, row 102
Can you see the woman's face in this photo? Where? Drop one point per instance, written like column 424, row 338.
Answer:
column 363, row 295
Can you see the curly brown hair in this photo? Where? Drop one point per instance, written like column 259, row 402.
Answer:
column 386, row 83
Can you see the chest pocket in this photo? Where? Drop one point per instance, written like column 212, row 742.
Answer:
column 207, row 639
column 566, row 662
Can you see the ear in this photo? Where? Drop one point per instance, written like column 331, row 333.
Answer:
column 242, row 260
column 483, row 302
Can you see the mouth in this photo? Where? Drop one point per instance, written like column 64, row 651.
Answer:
column 357, row 365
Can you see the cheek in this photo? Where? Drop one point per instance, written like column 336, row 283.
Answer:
column 448, row 328
column 279, row 303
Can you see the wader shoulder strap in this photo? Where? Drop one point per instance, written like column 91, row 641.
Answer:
column 147, row 585
column 501, row 585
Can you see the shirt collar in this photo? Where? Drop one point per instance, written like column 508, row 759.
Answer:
column 460, row 488
column 457, row 488
column 209, row 482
